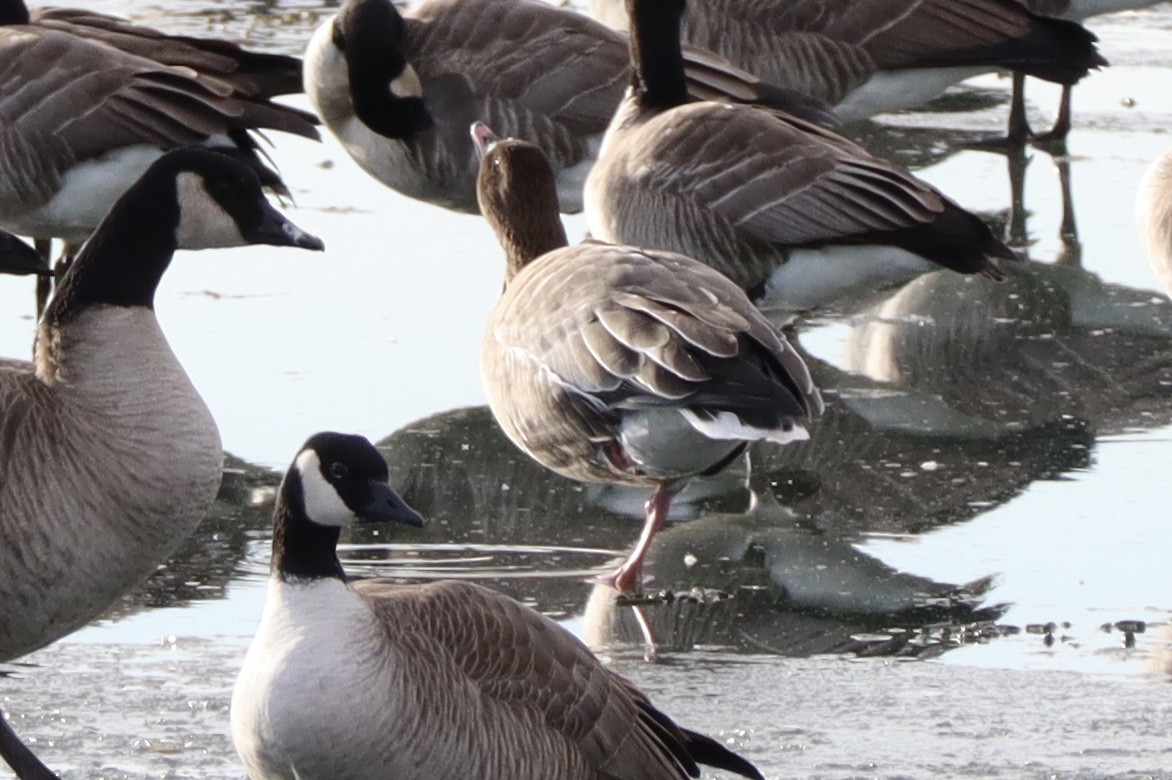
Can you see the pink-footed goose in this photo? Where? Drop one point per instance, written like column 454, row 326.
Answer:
column 793, row 213
column 108, row 455
column 399, row 88
column 372, row 679
column 618, row 364
column 90, row 100
column 866, row 57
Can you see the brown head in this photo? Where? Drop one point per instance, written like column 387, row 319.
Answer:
column 518, row 195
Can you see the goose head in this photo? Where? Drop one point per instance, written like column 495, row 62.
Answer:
column 517, row 193
column 333, row 478
column 18, row 258
column 187, row 199
column 385, row 91
column 13, row 12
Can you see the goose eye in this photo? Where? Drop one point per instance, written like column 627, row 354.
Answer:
column 338, row 470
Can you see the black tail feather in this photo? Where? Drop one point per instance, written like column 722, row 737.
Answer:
column 1054, row 50
column 709, row 752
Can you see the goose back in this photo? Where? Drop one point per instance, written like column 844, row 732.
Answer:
column 742, row 188
column 251, row 73
column 605, row 363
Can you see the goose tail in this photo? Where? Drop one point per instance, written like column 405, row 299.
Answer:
column 707, row 751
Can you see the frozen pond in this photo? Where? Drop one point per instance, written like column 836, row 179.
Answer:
column 1022, row 430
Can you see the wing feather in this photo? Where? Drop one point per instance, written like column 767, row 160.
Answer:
column 474, row 651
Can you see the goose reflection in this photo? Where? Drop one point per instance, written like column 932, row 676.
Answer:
column 217, row 552
column 764, row 581
column 1051, row 342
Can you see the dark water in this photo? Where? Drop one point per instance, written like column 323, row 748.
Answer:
column 949, row 579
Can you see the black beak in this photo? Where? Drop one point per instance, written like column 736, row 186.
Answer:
column 17, row 257
column 385, row 507
column 275, row 229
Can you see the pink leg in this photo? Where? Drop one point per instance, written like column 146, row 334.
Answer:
column 628, row 578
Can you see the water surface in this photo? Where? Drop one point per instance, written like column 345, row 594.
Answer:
column 992, row 461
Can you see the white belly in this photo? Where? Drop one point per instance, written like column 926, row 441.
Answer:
column 86, row 194
column 310, row 699
column 894, row 90
column 816, row 277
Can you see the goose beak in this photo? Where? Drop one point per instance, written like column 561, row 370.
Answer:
column 482, row 137
column 17, row 257
column 386, row 507
column 276, row 229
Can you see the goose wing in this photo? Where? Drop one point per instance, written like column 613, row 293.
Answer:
column 20, row 394
column 522, row 686
column 616, row 327
column 545, row 60
column 255, row 74
column 781, row 179
column 96, row 98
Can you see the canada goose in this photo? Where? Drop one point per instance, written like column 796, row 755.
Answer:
column 1073, row 10
column 108, row 456
column 373, row 679
column 89, row 101
column 618, row 364
column 796, row 215
column 866, row 57
column 399, row 89
column 1153, row 211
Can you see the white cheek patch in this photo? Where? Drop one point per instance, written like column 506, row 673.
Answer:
column 407, row 84
column 203, row 223
column 323, row 505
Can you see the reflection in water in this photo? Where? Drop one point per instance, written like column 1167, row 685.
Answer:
column 953, row 396
column 764, row 582
column 216, row 552
column 1051, row 341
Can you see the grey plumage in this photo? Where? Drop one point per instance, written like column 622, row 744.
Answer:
column 108, row 459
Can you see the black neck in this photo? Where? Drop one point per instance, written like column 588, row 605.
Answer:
column 302, row 550
column 659, row 79
column 13, row 12
column 373, row 38
column 125, row 258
